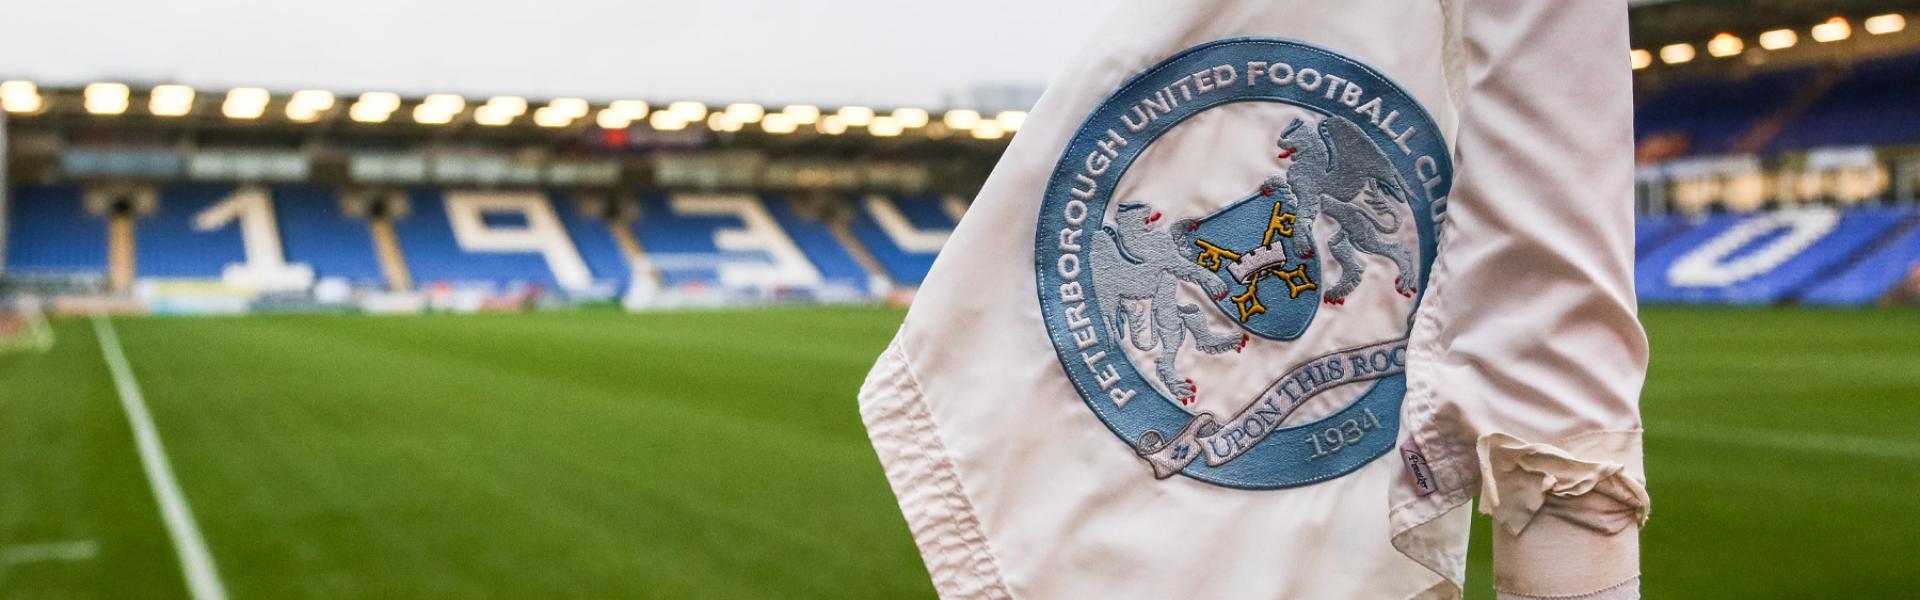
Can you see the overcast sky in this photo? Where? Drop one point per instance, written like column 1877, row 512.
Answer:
column 883, row 52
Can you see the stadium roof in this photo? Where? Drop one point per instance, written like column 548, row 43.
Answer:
column 1658, row 22
column 871, row 52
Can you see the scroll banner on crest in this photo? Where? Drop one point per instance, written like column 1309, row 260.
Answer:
column 1223, row 441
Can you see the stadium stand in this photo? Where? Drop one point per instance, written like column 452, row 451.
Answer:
column 1873, row 276
column 594, row 237
column 51, row 233
column 315, row 231
column 1873, row 105
column 435, row 252
column 1779, row 181
column 1652, row 231
column 1817, row 254
column 814, row 237
column 170, row 245
column 906, row 253
column 1770, row 110
column 1714, row 114
column 1774, row 175
column 741, row 241
column 514, row 240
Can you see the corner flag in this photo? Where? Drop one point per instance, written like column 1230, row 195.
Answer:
column 1215, row 328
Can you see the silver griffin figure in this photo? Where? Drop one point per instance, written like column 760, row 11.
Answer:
column 1337, row 171
column 1138, row 269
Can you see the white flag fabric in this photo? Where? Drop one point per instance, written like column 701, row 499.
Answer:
column 1264, row 293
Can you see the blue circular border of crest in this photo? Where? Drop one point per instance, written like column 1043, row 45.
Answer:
column 1279, row 460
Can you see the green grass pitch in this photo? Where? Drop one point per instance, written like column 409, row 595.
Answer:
column 720, row 455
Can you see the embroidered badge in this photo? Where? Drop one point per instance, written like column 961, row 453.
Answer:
column 1352, row 167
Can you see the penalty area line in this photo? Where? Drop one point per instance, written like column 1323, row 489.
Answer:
column 1776, row 439
column 196, row 563
column 20, row 554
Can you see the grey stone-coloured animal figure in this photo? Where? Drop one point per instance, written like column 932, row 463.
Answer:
column 1138, row 270
column 1335, row 170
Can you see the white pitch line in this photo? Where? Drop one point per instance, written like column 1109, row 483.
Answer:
column 49, row 551
column 1805, row 441
column 196, row 563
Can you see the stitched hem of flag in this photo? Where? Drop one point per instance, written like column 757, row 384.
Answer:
column 1410, row 519
column 1628, row 590
column 925, row 482
column 1440, row 553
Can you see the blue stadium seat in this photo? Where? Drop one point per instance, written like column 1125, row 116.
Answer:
column 903, row 266
column 433, row 255
column 1855, row 231
column 683, row 248
column 1874, row 105
column 168, row 247
column 1873, row 276
column 1714, row 113
column 1650, row 271
column 50, row 232
column 1652, row 231
column 314, row 231
column 816, row 240
column 595, row 242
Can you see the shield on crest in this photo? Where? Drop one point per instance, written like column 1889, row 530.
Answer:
column 1269, row 264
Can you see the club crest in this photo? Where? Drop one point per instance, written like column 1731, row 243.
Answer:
column 1354, row 170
